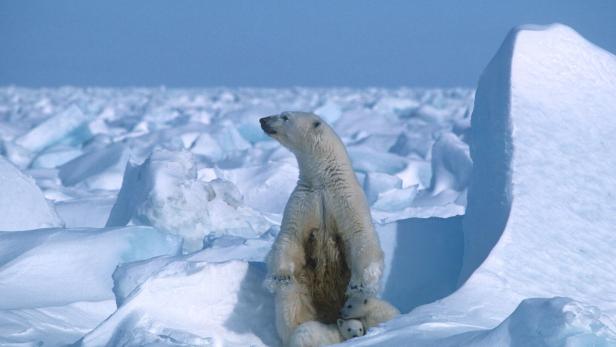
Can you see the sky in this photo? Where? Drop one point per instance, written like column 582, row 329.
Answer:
column 272, row 43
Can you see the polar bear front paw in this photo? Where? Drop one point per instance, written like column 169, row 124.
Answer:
column 282, row 280
column 356, row 288
column 277, row 281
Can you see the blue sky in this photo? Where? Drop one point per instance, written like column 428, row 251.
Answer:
column 274, row 43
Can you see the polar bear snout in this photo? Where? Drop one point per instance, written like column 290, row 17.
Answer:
column 267, row 124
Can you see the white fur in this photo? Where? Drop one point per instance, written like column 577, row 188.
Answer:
column 314, row 334
column 327, row 192
column 371, row 311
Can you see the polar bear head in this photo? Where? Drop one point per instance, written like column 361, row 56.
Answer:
column 302, row 133
column 350, row 328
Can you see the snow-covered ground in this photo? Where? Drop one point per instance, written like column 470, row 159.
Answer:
column 162, row 204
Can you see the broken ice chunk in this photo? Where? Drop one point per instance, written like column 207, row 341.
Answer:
column 54, row 129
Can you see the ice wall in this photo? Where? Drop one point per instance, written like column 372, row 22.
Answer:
column 545, row 156
column 540, row 216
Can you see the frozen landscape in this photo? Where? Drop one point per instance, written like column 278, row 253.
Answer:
column 134, row 217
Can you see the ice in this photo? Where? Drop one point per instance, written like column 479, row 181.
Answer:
column 69, row 122
column 422, row 259
column 329, row 111
column 550, row 322
column 531, row 172
column 377, row 183
column 395, row 199
column 229, row 139
column 22, row 204
column 129, row 276
column 367, row 160
column 54, row 325
column 417, row 173
column 56, row 284
column 204, row 174
column 193, row 303
column 451, row 164
column 52, row 267
column 539, row 221
column 397, row 105
column 98, row 169
column 56, row 156
column 85, row 212
column 165, row 192
column 207, row 146
column 265, row 187
column 418, row 143
column 536, row 322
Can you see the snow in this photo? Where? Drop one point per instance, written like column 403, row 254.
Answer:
column 54, row 325
column 97, row 169
column 553, row 322
column 377, row 183
column 558, row 158
column 50, row 267
column 172, row 198
column 451, row 164
column 91, row 213
column 56, row 284
column 165, row 192
column 538, row 234
column 22, row 204
column 55, row 156
column 59, row 127
column 194, row 303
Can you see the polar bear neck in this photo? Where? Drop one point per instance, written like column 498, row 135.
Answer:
column 327, row 168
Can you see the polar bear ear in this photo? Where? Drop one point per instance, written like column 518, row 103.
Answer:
column 340, row 322
column 316, row 124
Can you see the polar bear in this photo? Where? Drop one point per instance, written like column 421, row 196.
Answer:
column 327, row 249
column 371, row 311
column 313, row 333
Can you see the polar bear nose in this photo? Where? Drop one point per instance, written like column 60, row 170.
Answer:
column 266, row 125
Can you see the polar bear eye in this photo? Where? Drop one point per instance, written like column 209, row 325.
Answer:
column 349, row 329
column 350, row 306
column 316, row 124
column 365, row 301
column 285, row 118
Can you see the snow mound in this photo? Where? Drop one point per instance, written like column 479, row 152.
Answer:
column 190, row 303
column 22, row 204
column 52, row 267
column 52, row 325
column 165, row 192
column 536, row 322
column 540, row 216
column 129, row 276
column 544, row 161
column 550, row 322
